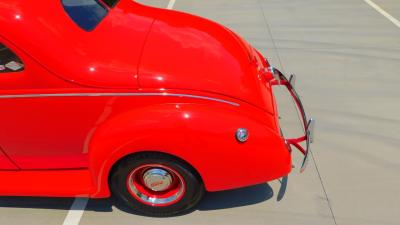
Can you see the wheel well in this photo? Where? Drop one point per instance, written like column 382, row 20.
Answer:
column 155, row 153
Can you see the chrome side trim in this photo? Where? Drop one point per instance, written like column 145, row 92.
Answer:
column 116, row 95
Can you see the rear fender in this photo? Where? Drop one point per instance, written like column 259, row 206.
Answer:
column 201, row 134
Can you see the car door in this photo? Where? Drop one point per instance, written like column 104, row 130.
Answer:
column 41, row 126
column 5, row 162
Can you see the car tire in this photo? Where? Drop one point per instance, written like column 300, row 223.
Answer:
column 155, row 184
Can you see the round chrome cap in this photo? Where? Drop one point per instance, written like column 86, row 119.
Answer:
column 242, row 134
column 157, row 179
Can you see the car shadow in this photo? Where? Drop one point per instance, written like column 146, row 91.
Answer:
column 236, row 198
column 242, row 197
column 34, row 202
column 212, row 201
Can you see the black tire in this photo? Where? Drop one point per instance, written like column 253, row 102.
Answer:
column 194, row 188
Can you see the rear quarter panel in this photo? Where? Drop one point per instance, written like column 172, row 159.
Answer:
column 200, row 132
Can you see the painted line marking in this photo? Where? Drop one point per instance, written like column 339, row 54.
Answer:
column 76, row 211
column 383, row 12
column 171, row 4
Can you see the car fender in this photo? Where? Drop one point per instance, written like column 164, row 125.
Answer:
column 202, row 134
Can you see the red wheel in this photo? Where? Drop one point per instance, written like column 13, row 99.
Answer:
column 155, row 184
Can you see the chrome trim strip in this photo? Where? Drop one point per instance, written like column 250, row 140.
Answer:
column 116, row 95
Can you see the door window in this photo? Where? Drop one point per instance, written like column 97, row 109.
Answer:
column 9, row 61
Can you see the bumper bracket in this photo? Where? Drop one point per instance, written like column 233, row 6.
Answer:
column 308, row 124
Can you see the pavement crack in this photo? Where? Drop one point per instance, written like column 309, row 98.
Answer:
column 323, row 188
column 270, row 34
column 281, row 65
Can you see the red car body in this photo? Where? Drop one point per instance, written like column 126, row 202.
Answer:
column 145, row 80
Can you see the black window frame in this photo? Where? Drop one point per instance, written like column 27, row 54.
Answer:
column 111, row 4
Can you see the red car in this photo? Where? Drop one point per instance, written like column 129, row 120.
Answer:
column 102, row 97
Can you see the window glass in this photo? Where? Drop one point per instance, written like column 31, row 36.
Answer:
column 9, row 62
column 87, row 14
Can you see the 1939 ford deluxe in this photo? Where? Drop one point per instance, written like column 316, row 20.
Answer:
column 153, row 106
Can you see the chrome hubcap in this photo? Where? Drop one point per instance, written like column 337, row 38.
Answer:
column 157, row 179
column 156, row 185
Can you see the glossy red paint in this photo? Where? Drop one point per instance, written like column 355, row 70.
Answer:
column 210, row 58
column 6, row 163
column 145, row 79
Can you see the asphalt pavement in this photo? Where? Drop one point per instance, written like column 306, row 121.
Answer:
column 346, row 55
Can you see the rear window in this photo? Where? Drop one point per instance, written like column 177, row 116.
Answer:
column 87, row 14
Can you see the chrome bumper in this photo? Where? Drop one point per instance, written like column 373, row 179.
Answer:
column 308, row 124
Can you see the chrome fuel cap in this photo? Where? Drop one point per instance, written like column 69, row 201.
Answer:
column 157, row 179
column 242, row 135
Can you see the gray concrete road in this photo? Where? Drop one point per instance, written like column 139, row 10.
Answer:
column 347, row 58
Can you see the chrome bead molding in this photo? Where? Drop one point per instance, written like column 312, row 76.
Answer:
column 116, row 95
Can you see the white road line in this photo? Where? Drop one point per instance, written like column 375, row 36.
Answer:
column 171, row 4
column 76, row 212
column 383, row 12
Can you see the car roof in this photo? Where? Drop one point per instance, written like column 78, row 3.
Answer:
column 105, row 57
